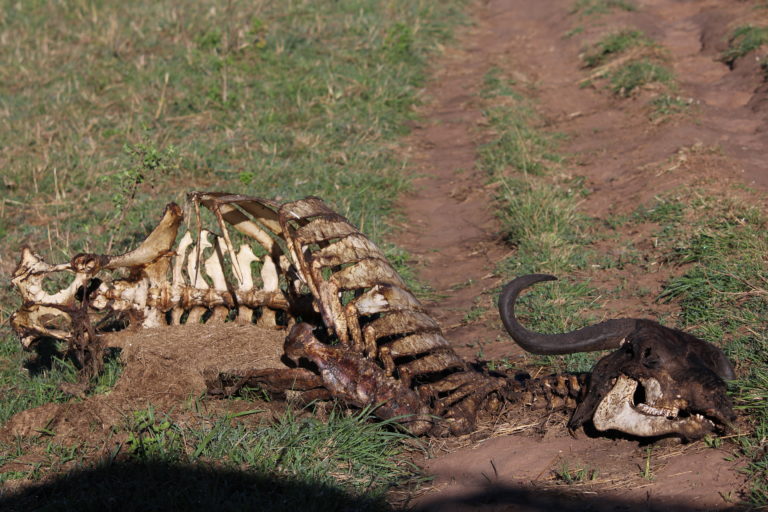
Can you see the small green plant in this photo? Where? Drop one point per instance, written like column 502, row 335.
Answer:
column 574, row 31
column 113, row 368
column 474, row 314
column 743, row 40
column 713, row 441
column 541, row 220
column 501, row 364
column 148, row 164
column 570, row 475
column 668, row 105
column 646, row 471
column 151, row 437
column 590, row 7
column 495, row 84
column 614, row 44
column 663, row 210
column 635, row 74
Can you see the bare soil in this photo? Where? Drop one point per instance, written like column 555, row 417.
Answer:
column 627, row 159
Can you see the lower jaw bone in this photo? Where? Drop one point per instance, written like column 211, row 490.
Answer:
column 616, row 412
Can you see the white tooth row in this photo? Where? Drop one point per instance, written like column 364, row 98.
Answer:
column 701, row 418
column 657, row 411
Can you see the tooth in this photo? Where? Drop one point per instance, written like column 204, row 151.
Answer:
column 650, row 410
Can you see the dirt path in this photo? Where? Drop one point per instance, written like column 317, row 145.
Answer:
column 626, row 159
column 451, row 228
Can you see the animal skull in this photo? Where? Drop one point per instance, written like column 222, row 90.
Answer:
column 660, row 381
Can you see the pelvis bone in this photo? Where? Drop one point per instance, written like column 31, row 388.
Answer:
column 658, row 381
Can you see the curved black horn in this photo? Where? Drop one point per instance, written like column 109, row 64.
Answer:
column 602, row 336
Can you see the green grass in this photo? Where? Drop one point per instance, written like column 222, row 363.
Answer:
column 635, row 74
column 537, row 207
column 596, row 7
column 627, row 72
column 294, row 462
column 29, row 382
column 575, row 475
column 111, row 110
column 743, row 40
column 667, row 105
column 614, row 44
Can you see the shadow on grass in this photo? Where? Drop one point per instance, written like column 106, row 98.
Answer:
column 144, row 486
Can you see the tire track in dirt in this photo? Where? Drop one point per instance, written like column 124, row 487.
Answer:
column 452, row 232
column 451, row 229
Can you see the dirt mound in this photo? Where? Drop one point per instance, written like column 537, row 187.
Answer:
column 163, row 368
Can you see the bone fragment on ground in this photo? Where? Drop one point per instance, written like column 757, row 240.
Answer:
column 37, row 320
column 384, row 297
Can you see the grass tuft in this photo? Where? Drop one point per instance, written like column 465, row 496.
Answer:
column 743, row 40
column 593, row 7
column 635, row 74
column 614, row 44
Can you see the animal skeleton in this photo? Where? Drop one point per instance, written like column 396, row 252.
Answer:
column 320, row 280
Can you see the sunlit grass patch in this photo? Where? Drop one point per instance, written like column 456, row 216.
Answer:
column 111, row 111
column 635, row 74
column 669, row 105
column 592, row 7
column 614, row 44
column 744, row 40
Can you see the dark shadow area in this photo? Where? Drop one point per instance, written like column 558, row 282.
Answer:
column 157, row 486
column 499, row 498
column 150, row 486
column 44, row 353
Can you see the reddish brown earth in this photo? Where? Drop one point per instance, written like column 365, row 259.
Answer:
column 626, row 159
